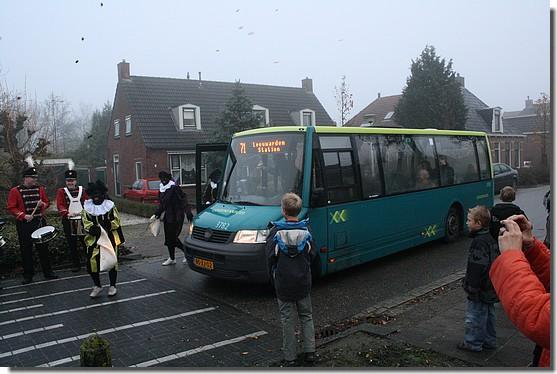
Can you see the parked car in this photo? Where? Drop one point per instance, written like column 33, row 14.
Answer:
column 144, row 190
column 504, row 175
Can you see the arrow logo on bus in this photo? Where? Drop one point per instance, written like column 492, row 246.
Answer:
column 339, row 216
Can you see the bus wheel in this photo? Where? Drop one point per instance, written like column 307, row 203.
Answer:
column 452, row 224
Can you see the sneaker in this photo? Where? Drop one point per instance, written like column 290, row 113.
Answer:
column 50, row 276
column 95, row 292
column 112, row 291
column 169, row 261
column 465, row 347
column 185, row 261
column 27, row 280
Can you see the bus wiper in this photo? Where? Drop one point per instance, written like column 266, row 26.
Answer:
column 246, row 203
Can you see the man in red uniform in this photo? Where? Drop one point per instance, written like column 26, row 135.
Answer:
column 27, row 202
column 69, row 201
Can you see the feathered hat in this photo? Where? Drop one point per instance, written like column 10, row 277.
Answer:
column 70, row 173
column 30, row 171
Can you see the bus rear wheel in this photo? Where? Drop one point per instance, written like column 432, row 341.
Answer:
column 452, row 224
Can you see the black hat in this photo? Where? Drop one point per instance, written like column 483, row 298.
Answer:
column 70, row 174
column 97, row 188
column 164, row 174
column 30, row 172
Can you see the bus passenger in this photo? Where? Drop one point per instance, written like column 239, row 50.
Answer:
column 479, row 320
column 422, row 180
column 446, row 172
column 290, row 253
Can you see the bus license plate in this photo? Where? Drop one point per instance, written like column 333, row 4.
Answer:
column 205, row 264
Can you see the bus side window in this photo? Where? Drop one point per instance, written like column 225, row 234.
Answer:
column 368, row 156
column 318, row 195
column 461, row 154
column 483, row 158
column 339, row 176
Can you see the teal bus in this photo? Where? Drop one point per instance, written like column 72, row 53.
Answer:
column 368, row 193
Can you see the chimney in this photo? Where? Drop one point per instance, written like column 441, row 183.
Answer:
column 460, row 79
column 199, row 75
column 528, row 103
column 378, row 95
column 307, row 85
column 188, row 76
column 123, row 70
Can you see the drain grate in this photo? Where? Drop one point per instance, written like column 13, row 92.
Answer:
column 326, row 332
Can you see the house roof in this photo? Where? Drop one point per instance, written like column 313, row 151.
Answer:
column 151, row 99
column 478, row 118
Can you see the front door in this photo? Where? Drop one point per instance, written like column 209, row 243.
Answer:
column 209, row 168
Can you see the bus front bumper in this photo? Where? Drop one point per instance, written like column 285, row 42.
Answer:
column 243, row 262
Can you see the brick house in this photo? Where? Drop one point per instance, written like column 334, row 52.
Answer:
column 156, row 122
column 506, row 146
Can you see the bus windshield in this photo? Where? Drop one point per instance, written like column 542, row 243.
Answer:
column 260, row 169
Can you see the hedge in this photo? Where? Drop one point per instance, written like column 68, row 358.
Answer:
column 134, row 207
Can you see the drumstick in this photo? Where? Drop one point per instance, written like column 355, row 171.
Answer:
column 34, row 210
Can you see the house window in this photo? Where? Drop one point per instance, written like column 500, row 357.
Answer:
column 182, row 168
column 188, row 117
column 262, row 114
column 517, row 154
column 116, row 128
column 497, row 121
column 307, row 118
column 128, row 125
column 138, row 170
column 508, row 152
column 496, row 152
column 389, row 115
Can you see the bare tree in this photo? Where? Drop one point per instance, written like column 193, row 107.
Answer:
column 543, row 118
column 344, row 100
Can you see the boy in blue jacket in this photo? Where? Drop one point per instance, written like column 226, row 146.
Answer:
column 290, row 252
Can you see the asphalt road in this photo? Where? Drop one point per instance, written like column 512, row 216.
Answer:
column 344, row 294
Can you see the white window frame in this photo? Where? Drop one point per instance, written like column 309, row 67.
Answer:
column 140, row 174
column 497, row 126
column 259, row 108
column 197, row 117
column 116, row 128
column 497, row 149
column 302, row 112
column 388, row 116
column 128, row 124
column 178, row 153
column 519, row 153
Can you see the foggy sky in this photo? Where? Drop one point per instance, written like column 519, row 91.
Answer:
column 501, row 47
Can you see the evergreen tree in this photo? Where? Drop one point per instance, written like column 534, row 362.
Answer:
column 432, row 97
column 237, row 116
column 92, row 150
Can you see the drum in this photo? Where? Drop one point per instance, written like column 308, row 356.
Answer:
column 44, row 234
column 76, row 227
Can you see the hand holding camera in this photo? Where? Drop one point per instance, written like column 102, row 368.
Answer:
column 516, row 233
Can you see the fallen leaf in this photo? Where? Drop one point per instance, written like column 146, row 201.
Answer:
column 244, row 353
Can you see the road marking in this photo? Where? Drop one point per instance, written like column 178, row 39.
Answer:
column 84, row 307
column 193, row 351
column 13, row 293
column 105, row 331
column 64, row 292
column 27, row 332
column 46, row 281
column 20, row 309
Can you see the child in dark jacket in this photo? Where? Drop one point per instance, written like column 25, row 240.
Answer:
column 290, row 253
column 503, row 210
column 479, row 320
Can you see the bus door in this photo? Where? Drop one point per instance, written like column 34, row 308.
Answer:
column 209, row 167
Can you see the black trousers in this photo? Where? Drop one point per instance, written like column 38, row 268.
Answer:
column 172, row 236
column 72, row 242
column 24, row 231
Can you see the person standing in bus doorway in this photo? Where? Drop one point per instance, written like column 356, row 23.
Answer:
column 503, row 210
column 480, row 313
column 290, row 253
column 173, row 207
column 446, row 172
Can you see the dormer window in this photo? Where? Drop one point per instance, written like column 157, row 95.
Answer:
column 129, row 125
column 389, row 115
column 307, row 117
column 497, row 126
column 262, row 114
column 189, row 117
column 116, row 128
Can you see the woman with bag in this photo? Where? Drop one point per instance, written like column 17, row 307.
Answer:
column 101, row 223
column 173, row 207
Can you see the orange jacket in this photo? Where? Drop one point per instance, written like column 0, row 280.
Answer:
column 522, row 282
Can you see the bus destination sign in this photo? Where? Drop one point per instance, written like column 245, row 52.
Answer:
column 271, row 146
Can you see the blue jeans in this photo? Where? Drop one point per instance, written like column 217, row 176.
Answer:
column 479, row 326
column 288, row 311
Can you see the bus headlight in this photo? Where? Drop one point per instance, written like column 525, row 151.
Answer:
column 251, row 236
